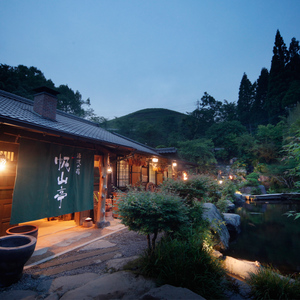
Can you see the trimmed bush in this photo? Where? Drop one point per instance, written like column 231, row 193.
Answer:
column 152, row 212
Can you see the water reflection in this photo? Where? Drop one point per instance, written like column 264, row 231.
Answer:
column 268, row 236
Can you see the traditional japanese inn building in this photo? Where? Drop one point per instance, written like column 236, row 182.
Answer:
column 53, row 164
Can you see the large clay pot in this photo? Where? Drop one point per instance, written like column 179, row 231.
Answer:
column 15, row 250
column 24, row 229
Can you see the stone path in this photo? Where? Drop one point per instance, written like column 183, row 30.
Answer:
column 66, row 278
column 60, row 265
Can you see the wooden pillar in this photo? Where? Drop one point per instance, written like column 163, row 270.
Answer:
column 101, row 222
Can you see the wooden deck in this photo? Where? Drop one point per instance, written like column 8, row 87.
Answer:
column 274, row 197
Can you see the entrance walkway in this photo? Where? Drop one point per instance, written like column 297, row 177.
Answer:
column 59, row 237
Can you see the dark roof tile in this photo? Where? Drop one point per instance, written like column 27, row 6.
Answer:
column 15, row 109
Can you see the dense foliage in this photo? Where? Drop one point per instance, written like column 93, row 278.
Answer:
column 22, row 81
column 182, row 257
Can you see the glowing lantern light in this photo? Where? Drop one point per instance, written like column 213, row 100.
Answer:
column 185, row 176
column 2, row 162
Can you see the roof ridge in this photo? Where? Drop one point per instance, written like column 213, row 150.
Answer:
column 131, row 140
column 63, row 113
column 16, row 97
column 60, row 112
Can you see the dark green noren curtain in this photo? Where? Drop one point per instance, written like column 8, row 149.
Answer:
column 51, row 180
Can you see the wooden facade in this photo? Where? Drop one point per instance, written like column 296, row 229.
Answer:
column 118, row 161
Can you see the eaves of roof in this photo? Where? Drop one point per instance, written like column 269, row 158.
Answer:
column 18, row 111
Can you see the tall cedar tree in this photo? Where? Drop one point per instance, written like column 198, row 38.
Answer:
column 245, row 101
column 293, row 75
column 258, row 110
column 278, row 80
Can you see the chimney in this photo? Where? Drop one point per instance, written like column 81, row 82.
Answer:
column 45, row 102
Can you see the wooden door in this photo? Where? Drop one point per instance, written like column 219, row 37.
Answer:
column 7, row 182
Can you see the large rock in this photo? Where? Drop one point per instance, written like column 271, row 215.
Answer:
column 217, row 225
column 118, row 264
column 169, row 292
column 61, row 285
column 233, row 222
column 230, row 207
column 239, row 199
column 119, row 285
column 18, row 295
column 241, row 268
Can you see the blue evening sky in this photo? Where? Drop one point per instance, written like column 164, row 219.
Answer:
column 127, row 55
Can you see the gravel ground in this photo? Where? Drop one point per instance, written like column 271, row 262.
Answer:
column 130, row 244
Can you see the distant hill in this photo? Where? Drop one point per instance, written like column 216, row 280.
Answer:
column 156, row 115
column 153, row 126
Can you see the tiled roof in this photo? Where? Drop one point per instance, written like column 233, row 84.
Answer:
column 19, row 111
column 166, row 150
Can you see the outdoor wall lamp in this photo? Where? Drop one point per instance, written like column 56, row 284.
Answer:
column 109, row 168
column 185, row 176
column 174, row 164
column 154, row 159
column 2, row 162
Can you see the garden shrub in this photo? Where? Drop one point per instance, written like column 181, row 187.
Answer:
column 268, row 284
column 228, row 190
column 201, row 187
column 152, row 212
column 252, row 179
column 186, row 263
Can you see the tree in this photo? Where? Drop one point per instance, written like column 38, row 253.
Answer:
column 245, row 101
column 258, row 110
column 292, row 95
column 278, row 80
column 269, row 142
column 208, row 112
column 70, row 101
column 199, row 151
column 293, row 65
column 228, row 112
column 22, row 81
column 224, row 135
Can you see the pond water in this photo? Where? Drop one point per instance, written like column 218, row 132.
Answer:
column 268, row 236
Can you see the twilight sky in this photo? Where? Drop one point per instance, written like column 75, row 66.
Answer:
column 127, row 55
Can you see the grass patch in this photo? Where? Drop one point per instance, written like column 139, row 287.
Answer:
column 184, row 263
column 269, row 284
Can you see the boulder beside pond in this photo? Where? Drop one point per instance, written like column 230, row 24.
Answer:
column 233, row 222
column 217, row 225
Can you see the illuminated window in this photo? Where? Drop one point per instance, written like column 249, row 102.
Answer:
column 123, row 173
column 135, row 175
column 8, row 155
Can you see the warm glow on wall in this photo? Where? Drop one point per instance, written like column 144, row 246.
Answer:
column 2, row 162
